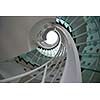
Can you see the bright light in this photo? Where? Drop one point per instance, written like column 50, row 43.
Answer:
column 52, row 37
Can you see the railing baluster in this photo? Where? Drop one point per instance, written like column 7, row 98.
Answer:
column 75, row 29
column 44, row 75
column 74, row 20
column 43, row 71
column 67, row 18
column 64, row 51
column 88, row 54
column 79, row 35
column 53, row 69
column 78, row 44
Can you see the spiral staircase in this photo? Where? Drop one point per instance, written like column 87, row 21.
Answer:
column 86, row 35
column 46, row 63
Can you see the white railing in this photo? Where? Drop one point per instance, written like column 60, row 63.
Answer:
column 13, row 78
column 45, row 75
column 71, row 72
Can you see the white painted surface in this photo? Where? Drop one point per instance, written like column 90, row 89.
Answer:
column 11, row 68
column 72, row 70
column 14, row 35
column 14, row 41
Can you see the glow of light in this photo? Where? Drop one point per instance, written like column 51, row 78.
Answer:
column 52, row 37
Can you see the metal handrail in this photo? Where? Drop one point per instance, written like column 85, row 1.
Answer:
column 54, row 67
column 59, row 67
column 52, row 70
column 46, row 64
column 27, row 73
column 47, row 67
column 32, row 71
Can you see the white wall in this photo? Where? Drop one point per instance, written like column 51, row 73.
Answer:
column 14, row 35
column 11, row 68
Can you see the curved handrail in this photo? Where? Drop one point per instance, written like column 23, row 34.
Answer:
column 66, row 38
column 43, row 71
column 74, row 71
column 29, row 72
column 64, row 50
